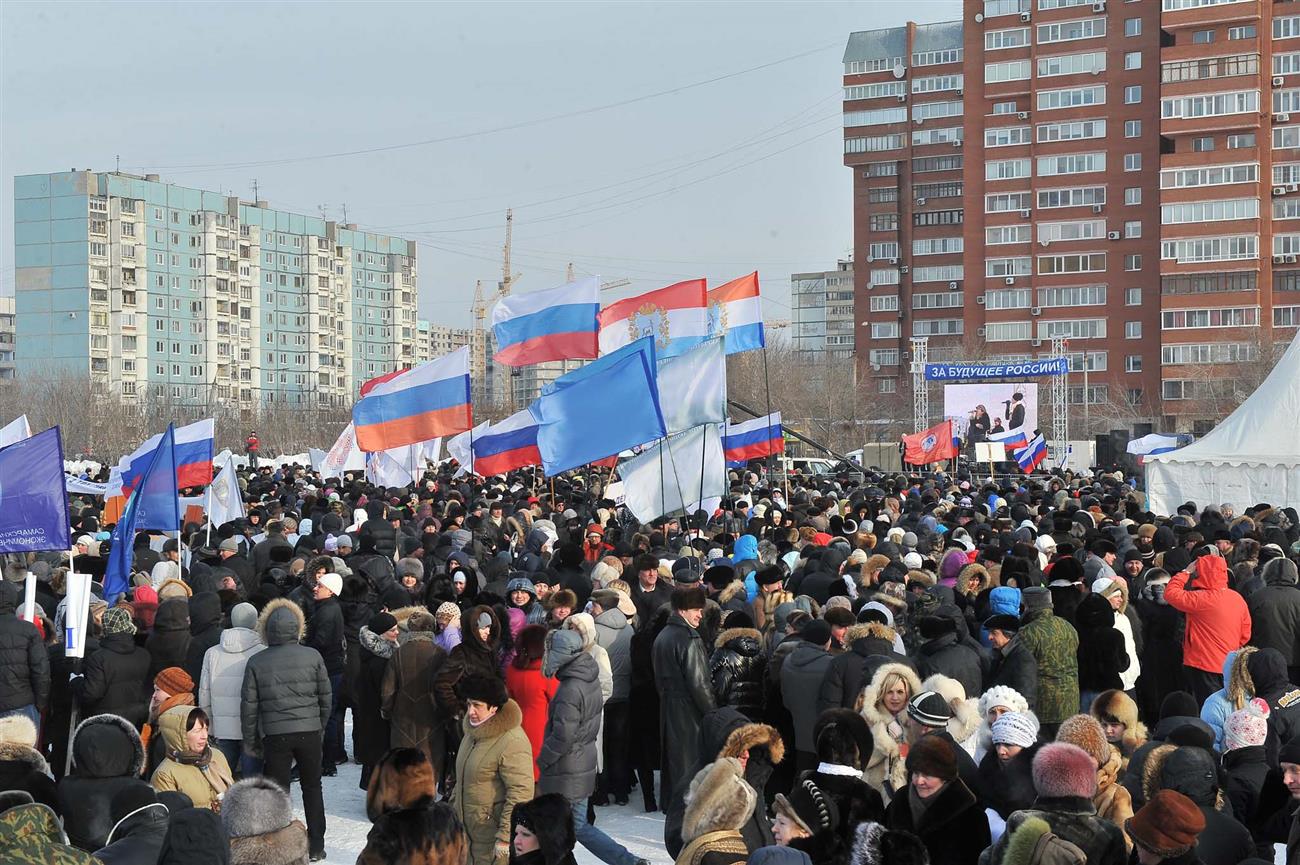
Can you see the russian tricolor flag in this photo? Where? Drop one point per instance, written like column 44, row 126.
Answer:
column 1029, row 457
column 556, row 324
column 506, row 446
column 193, row 454
column 676, row 318
column 736, row 313
column 753, row 439
column 1010, row 438
column 425, row 402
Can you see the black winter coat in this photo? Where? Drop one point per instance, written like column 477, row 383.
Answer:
column 681, row 675
column 855, row 800
column 24, row 663
column 370, row 732
column 1268, row 672
column 116, row 680
column 1246, row 770
column 106, row 758
column 286, row 687
column 23, row 768
column 138, row 839
column 1275, row 611
column 946, row 656
column 471, row 658
column 205, row 631
column 325, row 635
column 1162, row 651
column 737, row 668
column 1101, row 651
column 953, row 829
column 1224, row 841
column 1010, row 787
column 1015, row 667
column 169, row 642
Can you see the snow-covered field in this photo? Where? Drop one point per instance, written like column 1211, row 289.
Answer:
column 347, row 826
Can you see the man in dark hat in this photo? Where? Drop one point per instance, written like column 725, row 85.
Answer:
column 1013, row 665
column 681, row 672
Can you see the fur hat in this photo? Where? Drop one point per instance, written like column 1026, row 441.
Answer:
column 550, row 818
column 745, row 738
column 402, row 779
column 843, row 737
column 1247, row 726
column 1084, row 731
column 17, row 730
column 1116, row 706
column 483, row 689
column 873, row 844
column 1015, row 728
column 1167, row 825
column 688, row 598
column 932, row 755
column 258, row 817
column 1036, row 598
column 809, row 807
column 1002, row 695
column 1061, row 769
column 718, row 800
column 420, row 621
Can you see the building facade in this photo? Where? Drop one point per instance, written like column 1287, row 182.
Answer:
column 198, row 297
column 1118, row 174
column 6, row 339
column 822, row 323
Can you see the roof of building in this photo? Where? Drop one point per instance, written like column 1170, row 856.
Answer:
column 892, row 41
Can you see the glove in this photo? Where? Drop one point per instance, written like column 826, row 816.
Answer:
column 501, row 852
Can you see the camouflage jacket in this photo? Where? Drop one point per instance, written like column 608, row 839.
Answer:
column 32, row 835
column 1054, row 644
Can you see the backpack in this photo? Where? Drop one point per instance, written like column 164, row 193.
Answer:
column 1034, row 843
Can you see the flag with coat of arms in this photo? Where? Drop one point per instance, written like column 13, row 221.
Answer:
column 929, row 446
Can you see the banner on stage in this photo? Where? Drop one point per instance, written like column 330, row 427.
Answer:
column 981, row 371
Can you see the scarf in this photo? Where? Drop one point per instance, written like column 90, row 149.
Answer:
column 183, row 699
column 375, row 644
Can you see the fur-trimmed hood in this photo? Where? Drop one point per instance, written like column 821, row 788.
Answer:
column 738, row 634
column 19, row 753
column 281, row 622
column 107, row 746
column 873, row 844
column 969, row 571
column 871, row 693
column 718, row 800
column 1120, row 706
column 507, row 718
column 749, row 736
column 1151, row 770
column 734, row 589
column 869, row 631
column 965, row 720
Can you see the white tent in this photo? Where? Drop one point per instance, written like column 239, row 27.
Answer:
column 1253, row 456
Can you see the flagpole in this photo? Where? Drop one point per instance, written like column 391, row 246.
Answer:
column 767, row 390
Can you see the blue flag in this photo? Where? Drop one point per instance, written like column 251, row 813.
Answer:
column 153, row 505
column 591, row 413
column 33, row 498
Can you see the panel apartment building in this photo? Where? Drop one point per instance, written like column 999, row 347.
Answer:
column 1121, row 173
column 198, row 297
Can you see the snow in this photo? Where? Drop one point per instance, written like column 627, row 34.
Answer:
column 346, row 825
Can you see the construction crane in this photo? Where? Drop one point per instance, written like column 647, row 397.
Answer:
column 507, row 278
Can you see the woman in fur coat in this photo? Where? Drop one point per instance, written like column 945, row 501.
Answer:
column 884, row 706
column 718, row 804
column 407, row 691
column 370, row 731
column 964, row 724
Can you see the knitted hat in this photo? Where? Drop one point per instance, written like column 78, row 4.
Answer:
column 333, row 582
column 1168, row 824
column 1061, row 769
column 929, row 709
column 229, row 545
column 913, row 561
column 1247, row 726
column 381, row 623
column 446, row 612
column 243, row 615
column 1002, row 695
column 174, row 680
column 933, row 756
column 816, row 631
column 1084, row 731
column 1015, row 728
column 809, row 808
column 118, row 621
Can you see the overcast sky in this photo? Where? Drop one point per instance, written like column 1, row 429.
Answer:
column 549, row 108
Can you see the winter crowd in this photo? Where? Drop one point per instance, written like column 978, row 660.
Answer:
column 850, row 670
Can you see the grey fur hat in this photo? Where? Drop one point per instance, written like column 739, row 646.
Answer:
column 255, row 806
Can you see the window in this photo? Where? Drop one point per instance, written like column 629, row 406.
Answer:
column 1077, row 196
column 1203, row 144
column 1073, row 328
column 1241, row 140
column 1133, row 363
column 1202, row 353
column 930, row 110
column 935, row 58
column 1085, row 262
column 1017, row 37
column 1132, row 161
column 1003, row 234
column 937, row 245
column 884, row 222
column 1209, row 68
column 1067, row 31
column 937, row 300
column 1085, row 295
column 1178, row 5
column 1239, row 316
column 875, row 91
column 1005, row 201
column 1214, row 175
column 1202, row 37
column 1286, row 316
column 1005, row 136
column 1132, row 195
column 884, row 330
column 938, row 273
column 883, row 356
column 873, row 143
column 1132, row 26
column 1009, row 70
column 1133, row 262
column 1132, row 297
column 1008, row 331
column 1133, row 60
column 1004, row 107
column 1284, row 208
column 1009, row 298
column 925, row 164
column 933, row 83
column 1209, row 211
column 883, row 250
column 937, row 217
column 1007, row 169
column 875, row 116
column 1285, row 101
column 887, row 385
column 1286, row 172
column 1072, row 64
column 1088, row 229
column 1286, row 27
column 880, row 64
column 993, row 8
column 1224, row 248
column 937, row 327
column 1246, row 31
column 930, row 136
column 1132, row 128
column 882, row 194
column 994, row 267
column 1073, row 97
column 1071, row 163
column 1071, row 130
column 1133, row 229
column 1210, row 105
column 884, row 303
column 1133, row 94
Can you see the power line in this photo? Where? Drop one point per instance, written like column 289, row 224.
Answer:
column 509, row 127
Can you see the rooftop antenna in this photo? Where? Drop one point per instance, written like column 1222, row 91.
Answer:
column 255, row 195
column 118, row 168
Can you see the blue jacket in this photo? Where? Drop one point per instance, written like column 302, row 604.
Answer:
column 1004, row 600
column 1217, row 706
column 746, row 548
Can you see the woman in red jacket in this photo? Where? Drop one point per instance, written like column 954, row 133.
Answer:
column 529, row 688
column 1218, row 622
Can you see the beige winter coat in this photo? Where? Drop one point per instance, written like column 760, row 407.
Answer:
column 885, row 770
column 494, row 773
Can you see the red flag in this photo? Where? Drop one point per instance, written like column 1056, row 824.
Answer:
column 929, row 446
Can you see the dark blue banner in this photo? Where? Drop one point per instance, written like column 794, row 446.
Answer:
column 33, row 500
column 982, row 371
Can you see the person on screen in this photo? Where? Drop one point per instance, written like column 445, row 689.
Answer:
column 1015, row 410
column 979, row 424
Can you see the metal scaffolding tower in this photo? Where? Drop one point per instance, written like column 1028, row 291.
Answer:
column 1060, row 407
column 920, row 387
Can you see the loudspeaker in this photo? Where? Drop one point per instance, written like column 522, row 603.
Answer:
column 1142, row 429
column 1105, row 455
column 1119, row 448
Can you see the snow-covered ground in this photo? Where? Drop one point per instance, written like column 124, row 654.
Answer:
column 347, row 826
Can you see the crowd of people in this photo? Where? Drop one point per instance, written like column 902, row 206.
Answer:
column 880, row 668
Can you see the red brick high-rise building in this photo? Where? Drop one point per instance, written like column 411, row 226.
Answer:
column 1123, row 173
